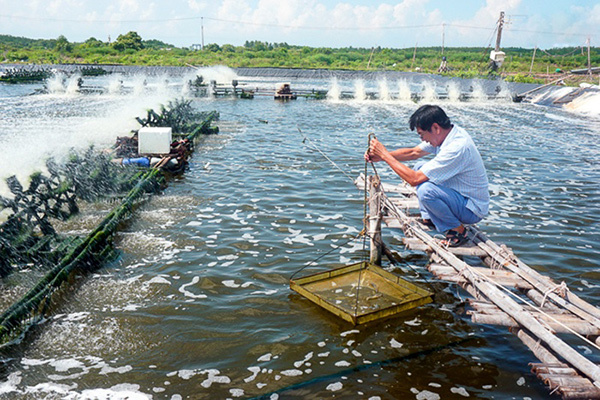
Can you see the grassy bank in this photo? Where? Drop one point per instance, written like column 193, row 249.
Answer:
column 520, row 64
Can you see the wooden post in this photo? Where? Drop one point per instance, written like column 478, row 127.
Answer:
column 589, row 62
column 375, row 218
column 532, row 59
column 370, row 57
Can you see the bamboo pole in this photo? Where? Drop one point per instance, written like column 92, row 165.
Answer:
column 571, row 301
column 511, row 307
column 532, row 58
column 375, row 217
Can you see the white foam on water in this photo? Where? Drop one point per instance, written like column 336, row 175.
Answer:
column 187, row 293
column 230, row 284
column 346, row 333
column 307, row 357
column 460, row 391
column 126, row 391
column 413, row 322
column 297, row 237
column 255, row 371
column 265, row 357
column 265, row 292
column 11, row 383
column 334, row 387
column 425, row 394
column 324, row 218
column 291, row 372
column 158, row 280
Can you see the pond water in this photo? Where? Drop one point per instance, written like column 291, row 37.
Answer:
column 198, row 305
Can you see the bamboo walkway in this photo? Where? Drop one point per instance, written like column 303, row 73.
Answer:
column 547, row 317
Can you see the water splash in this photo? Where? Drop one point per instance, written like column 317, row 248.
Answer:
column 115, row 84
column 504, row 92
column 478, row 91
column 384, row 90
column 404, row 93
column 217, row 73
column 334, row 91
column 429, row 93
column 453, row 91
column 62, row 121
column 360, row 94
column 60, row 83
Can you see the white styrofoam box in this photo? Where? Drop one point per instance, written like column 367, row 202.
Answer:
column 154, row 140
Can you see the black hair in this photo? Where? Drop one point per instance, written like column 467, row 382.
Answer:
column 426, row 116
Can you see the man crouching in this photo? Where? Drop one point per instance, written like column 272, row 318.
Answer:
column 453, row 186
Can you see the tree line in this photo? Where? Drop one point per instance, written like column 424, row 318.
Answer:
column 131, row 49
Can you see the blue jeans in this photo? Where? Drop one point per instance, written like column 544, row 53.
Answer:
column 445, row 207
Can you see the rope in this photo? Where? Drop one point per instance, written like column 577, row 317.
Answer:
column 305, row 139
column 323, row 255
column 365, row 229
column 560, row 289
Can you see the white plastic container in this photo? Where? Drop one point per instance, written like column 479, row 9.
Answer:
column 154, row 140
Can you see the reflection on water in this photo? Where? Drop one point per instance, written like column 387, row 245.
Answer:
column 199, row 305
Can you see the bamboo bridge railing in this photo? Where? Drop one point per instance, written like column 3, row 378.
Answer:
column 547, row 317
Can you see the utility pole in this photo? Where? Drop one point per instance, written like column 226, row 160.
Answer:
column 500, row 25
column 496, row 55
column 202, row 29
column 443, row 36
column 589, row 62
column 532, row 58
column 414, row 56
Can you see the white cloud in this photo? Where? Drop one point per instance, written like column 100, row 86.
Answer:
column 197, row 6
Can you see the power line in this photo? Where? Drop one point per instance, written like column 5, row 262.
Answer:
column 281, row 26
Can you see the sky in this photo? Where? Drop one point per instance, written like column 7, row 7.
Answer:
column 544, row 24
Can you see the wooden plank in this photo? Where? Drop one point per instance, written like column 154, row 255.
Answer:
column 501, row 277
column 405, row 203
column 388, row 188
column 419, row 245
column 392, row 222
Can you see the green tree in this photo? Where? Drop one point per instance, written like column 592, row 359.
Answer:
column 131, row 40
column 212, row 47
column 93, row 42
column 63, row 45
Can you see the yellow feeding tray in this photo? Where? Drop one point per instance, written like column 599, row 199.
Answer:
column 380, row 293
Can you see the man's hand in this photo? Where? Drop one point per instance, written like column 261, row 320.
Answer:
column 376, row 151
